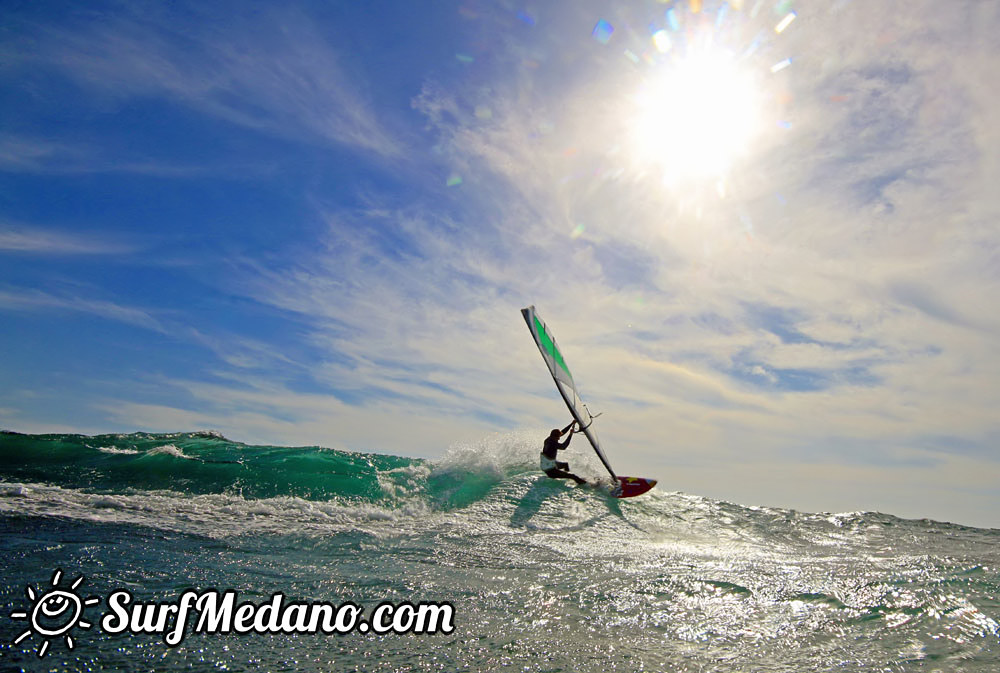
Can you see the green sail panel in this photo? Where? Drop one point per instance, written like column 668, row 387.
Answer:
column 556, row 363
column 549, row 346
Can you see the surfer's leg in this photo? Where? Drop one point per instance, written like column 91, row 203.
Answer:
column 562, row 474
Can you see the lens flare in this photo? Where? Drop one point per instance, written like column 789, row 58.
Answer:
column 785, row 22
column 602, row 31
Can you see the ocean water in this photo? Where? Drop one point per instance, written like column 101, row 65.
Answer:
column 542, row 575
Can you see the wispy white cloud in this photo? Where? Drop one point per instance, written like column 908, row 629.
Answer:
column 27, row 154
column 25, row 299
column 18, row 153
column 269, row 70
column 21, row 239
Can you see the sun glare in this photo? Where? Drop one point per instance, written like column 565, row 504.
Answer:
column 696, row 116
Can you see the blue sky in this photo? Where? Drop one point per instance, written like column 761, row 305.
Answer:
column 316, row 223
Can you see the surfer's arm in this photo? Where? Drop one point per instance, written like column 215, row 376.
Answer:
column 562, row 445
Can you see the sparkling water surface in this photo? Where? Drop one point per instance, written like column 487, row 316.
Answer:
column 543, row 576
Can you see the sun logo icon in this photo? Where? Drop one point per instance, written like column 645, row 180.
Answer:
column 54, row 613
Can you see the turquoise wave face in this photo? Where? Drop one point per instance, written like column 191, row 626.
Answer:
column 197, row 463
column 206, row 463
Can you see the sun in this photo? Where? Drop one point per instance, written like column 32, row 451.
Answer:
column 695, row 116
column 54, row 613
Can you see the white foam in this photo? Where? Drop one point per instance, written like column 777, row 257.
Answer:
column 214, row 515
column 170, row 450
column 403, row 482
column 213, row 434
column 14, row 490
column 111, row 449
column 108, row 502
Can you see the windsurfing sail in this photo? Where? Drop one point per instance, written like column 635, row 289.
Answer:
column 564, row 381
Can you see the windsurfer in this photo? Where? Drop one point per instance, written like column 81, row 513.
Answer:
column 552, row 467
